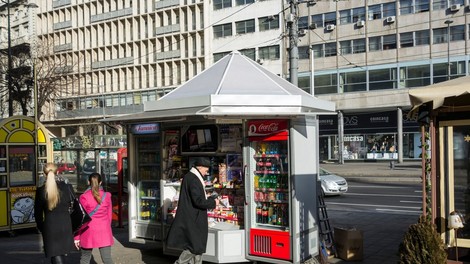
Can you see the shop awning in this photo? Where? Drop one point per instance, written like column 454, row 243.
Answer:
column 234, row 87
column 452, row 93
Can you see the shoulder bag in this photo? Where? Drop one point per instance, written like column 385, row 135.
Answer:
column 78, row 215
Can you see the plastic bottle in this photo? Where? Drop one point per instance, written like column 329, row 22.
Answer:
column 259, row 216
column 270, row 213
column 264, row 212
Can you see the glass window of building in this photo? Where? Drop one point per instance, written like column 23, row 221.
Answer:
column 359, row 45
column 326, row 84
column 220, row 55
column 382, row 79
column 345, row 47
column 439, row 35
column 421, row 6
column 422, row 37
column 359, row 14
column 219, row 4
column 269, row 53
column 389, row 9
column 318, row 20
column 345, row 16
column 246, row 26
column 303, row 52
column 303, row 22
column 439, row 4
column 415, row 76
column 224, row 30
column 375, row 43
column 353, row 81
column 374, row 12
column 243, row 2
column 267, row 23
column 457, row 33
column 406, row 39
column 330, row 49
column 389, row 42
column 330, row 18
column 406, row 7
column 250, row 53
column 317, row 50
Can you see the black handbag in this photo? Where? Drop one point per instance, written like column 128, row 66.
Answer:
column 78, row 215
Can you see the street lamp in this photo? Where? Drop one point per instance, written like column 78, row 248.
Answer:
column 10, row 61
column 448, row 22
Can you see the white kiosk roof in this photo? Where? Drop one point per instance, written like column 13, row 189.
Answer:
column 234, row 87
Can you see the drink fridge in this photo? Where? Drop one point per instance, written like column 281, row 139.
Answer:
column 280, row 226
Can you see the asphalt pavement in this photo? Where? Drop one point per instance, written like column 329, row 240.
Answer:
column 382, row 232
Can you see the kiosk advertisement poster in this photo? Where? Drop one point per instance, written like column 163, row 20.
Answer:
column 3, row 209
column 22, row 205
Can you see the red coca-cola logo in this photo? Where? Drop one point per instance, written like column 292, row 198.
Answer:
column 266, row 127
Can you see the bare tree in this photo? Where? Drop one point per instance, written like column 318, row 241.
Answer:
column 36, row 65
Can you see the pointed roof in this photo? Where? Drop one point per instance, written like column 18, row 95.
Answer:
column 235, row 86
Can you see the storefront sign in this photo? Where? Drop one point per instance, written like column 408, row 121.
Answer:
column 354, row 138
column 382, row 122
column 266, row 127
column 145, row 129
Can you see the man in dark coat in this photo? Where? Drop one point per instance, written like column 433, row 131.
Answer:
column 190, row 228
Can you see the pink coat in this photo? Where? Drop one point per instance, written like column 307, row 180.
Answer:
column 98, row 233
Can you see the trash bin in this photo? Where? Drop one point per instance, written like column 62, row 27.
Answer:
column 349, row 243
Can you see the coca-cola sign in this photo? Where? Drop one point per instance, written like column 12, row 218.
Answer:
column 266, row 127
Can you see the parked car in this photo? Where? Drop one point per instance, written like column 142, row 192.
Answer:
column 332, row 184
column 66, row 168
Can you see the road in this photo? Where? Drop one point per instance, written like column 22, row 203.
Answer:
column 379, row 197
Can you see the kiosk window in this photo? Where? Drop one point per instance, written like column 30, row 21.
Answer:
column 200, row 139
column 21, row 166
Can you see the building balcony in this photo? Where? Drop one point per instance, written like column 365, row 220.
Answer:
column 110, row 15
column 166, row 3
column 167, row 29
column 112, row 63
column 59, row 3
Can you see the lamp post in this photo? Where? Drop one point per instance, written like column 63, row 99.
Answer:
column 448, row 22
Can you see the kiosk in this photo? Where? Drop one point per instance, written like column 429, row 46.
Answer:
column 19, row 172
column 220, row 114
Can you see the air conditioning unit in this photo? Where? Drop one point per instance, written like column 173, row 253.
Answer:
column 455, row 7
column 390, row 19
column 302, row 32
column 360, row 23
column 330, row 27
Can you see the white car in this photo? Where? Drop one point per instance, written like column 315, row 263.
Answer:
column 332, row 184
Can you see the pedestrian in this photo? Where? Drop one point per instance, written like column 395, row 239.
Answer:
column 51, row 212
column 189, row 230
column 98, row 233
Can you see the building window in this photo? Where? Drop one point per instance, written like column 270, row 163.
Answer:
column 421, row 6
column 413, row 6
column 303, row 52
column 244, row 2
column 352, row 15
column 359, row 14
column 406, row 39
column 382, row 43
column 268, row 23
column 457, row 33
column 422, row 37
column 303, row 22
column 219, row 4
column 317, row 50
column 439, row 35
column 224, row 30
column 443, row 4
column 353, row 46
column 250, row 53
column 440, row 71
column 415, row 76
column 269, row 53
column 330, row 49
column 353, row 81
column 345, row 17
column 389, row 9
column 246, row 26
column 326, row 84
column 382, row 79
column 374, row 12
column 322, row 20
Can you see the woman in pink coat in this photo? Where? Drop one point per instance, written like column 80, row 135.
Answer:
column 98, row 233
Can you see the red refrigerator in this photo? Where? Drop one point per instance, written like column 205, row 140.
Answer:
column 281, row 178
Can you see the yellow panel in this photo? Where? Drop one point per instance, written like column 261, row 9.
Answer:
column 13, row 124
column 21, row 137
column 41, row 136
column 3, row 208
column 28, row 125
column 3, row 135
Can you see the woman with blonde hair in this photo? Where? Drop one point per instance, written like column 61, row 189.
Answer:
column 98, row 233
column 51, row 212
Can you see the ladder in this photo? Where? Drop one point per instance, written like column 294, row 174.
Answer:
column 325, row 231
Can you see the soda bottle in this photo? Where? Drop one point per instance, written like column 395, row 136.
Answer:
column 256, row 181
column 274, row 215
column 259, row 216
column 264, row 212
column 270, row 213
